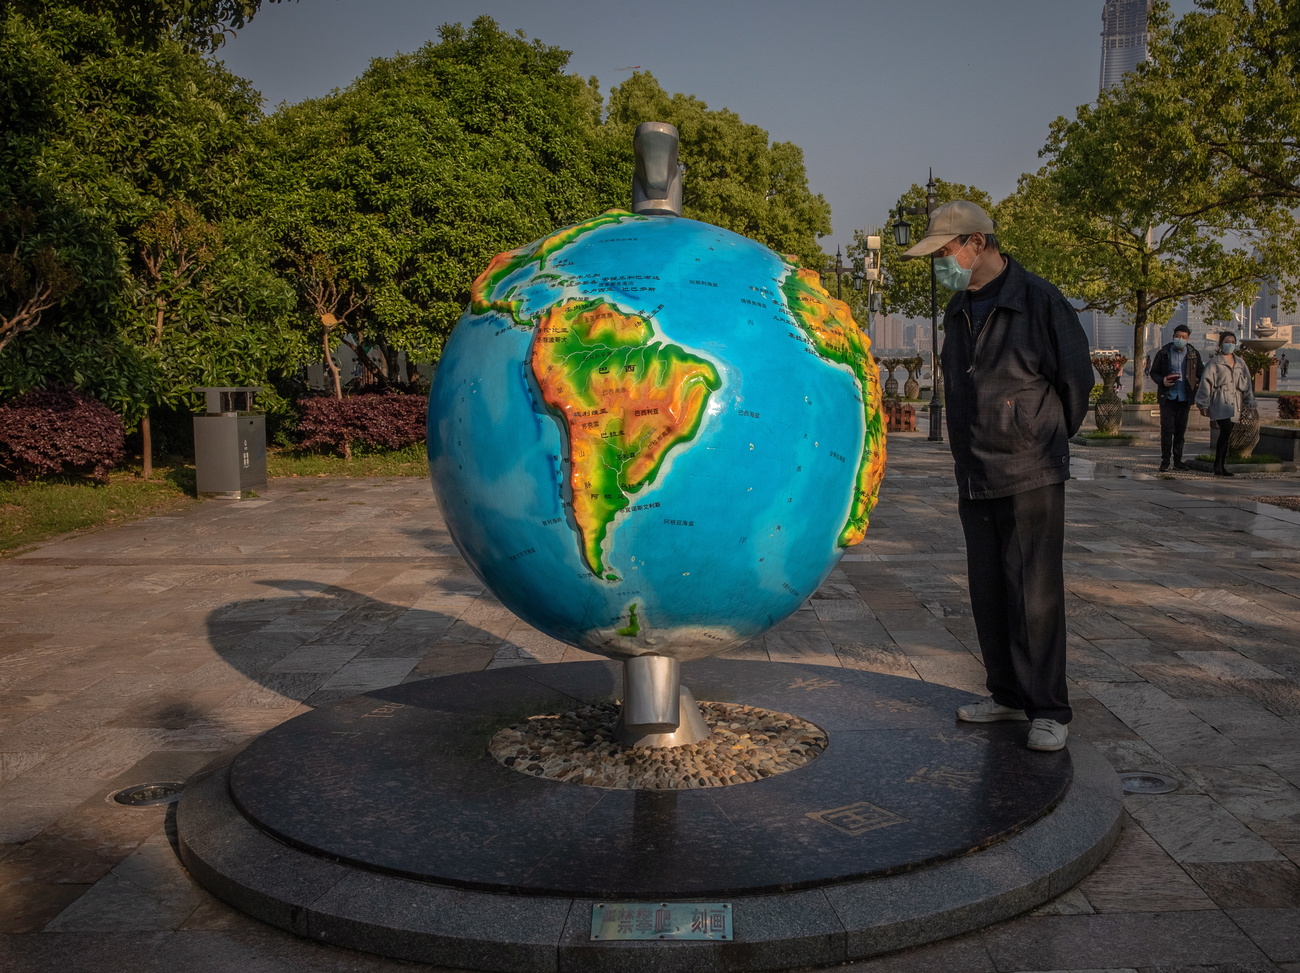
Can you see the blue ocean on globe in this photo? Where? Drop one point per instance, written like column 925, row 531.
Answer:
column 648, row 434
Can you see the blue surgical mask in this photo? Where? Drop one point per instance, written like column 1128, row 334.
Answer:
column 1180, row 343
column 951, row 274
column 1228, row 347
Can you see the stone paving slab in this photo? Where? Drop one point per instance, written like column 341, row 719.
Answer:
column 145, row 651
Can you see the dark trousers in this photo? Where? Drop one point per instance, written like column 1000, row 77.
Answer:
column 1014, row 551
column 1221, row 445
column 1173, row 429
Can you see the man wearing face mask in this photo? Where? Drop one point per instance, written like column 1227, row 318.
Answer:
column 1017, row 375
column 1176, row 370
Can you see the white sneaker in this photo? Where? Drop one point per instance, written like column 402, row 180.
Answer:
column 987, row 711
column 1047, row 735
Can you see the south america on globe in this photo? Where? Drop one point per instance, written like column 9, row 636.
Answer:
column 652, row 436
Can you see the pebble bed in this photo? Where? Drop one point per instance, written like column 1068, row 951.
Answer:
column 579, row 747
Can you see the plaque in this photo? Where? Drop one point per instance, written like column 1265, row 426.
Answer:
column 661, row 920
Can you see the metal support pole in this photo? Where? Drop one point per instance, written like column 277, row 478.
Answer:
column 658, row 711
column 936, row 377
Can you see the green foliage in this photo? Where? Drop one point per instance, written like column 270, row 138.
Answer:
column 1257, row 361
column 1131, row 214
column 385, row 199
column 411, row 461
column 118, row 164
column 33, row 512
column 158, row 233
column 735, row 178
column 199, row 24
column 1099, row 436
column 1228, row 71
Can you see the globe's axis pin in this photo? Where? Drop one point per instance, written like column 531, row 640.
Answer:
column 657, row 180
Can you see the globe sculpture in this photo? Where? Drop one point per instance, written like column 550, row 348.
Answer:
column 652, row 438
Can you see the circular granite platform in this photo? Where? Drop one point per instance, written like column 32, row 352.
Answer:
column 382, row 823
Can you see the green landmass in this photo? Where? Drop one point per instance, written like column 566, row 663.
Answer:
column 626, row 402
column 505, row 265
column 633, row 627
column 835, row 336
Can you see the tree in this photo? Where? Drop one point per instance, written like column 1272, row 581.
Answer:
column 1227, row 76
column 33, row 278
column 1123, row 217
column 199, row 24
column 334, row 300
column 121, row 156
column 735, row 178
column 406, row 183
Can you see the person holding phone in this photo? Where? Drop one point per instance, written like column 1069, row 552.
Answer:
column 1176, row 370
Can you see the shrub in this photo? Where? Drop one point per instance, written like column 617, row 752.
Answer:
column 59, row 431
column 1288, row 405
column 368, row 422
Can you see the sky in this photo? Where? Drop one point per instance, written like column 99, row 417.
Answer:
column 876, row 92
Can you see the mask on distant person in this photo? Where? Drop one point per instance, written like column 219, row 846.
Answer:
column 951, row 274
column 1228, row 347
column 1180, row 343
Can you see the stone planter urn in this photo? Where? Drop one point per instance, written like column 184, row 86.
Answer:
column 1109, row 414
column 912, row 387
column 891, row 383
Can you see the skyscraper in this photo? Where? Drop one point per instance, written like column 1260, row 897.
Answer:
column 1123, row 47
column 1123, row 38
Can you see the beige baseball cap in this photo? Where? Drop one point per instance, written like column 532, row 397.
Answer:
column 948, row 222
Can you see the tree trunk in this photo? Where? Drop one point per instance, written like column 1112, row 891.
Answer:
column 393, row 372
column 1139, row 346
column 146, row 447
column 146, row 430
column 331, row 366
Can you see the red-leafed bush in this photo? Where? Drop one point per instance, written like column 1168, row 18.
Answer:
column 59, row 431
column 1288, row 405
column 368, row 422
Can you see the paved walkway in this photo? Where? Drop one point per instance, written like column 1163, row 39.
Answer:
column 141, row 653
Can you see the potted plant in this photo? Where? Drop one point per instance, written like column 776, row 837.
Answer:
column 1109, row 413
column 912, row 387
column 891, row 383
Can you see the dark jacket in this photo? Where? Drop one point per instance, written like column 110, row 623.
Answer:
column 1160, row 368
column 1018, row 393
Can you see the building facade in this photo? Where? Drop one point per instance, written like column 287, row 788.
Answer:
column 1123, row 38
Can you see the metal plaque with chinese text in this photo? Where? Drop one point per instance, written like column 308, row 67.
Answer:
column 661, row 920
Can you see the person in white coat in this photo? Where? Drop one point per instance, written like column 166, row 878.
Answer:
column 1225, row 392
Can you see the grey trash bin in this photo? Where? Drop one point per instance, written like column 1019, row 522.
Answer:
column 229, row 444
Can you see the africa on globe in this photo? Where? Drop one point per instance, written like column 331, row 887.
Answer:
column 652, row 436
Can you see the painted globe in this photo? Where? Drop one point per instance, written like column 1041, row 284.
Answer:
column 650, row 435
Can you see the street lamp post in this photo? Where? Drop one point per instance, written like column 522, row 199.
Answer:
column 865, row 270
column 839, row 270
column 902, row 236
column 869, row 272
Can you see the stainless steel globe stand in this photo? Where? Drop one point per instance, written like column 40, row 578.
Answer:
column 658, row 711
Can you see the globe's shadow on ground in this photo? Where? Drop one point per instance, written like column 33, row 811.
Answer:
column 313, row 642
